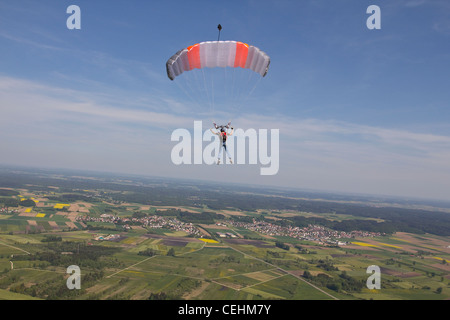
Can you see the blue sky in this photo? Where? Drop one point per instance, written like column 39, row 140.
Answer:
column 358, row 110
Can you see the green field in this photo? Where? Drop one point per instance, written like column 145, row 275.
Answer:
column 149, row 263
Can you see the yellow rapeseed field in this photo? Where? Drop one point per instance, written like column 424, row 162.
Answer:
column 438, row 258
column 61, row 205
column 209, row 240
column 389, row 245
column 363, row 244
column 40, row 215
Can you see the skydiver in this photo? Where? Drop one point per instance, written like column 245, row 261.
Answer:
column 223, row 134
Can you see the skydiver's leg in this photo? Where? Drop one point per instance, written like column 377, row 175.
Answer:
column 220, row 155
column 228, row 154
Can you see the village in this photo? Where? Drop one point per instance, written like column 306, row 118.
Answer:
column 151, row 221
column 315, row 233
column 6, row 210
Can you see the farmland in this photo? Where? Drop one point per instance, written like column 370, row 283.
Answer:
column 177, row 249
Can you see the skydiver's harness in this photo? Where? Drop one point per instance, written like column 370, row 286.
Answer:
column 223, row 134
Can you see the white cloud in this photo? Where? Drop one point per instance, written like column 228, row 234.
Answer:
column 46, row 125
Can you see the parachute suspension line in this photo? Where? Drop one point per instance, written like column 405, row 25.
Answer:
column 247, row 96
column 238, row 95
column 245, row 89
column 225, row 82
column 254, row 87
column 229, row 88
column 186, row 92
column 194, row 86
column 186, row 86
column 206, row 89
column 239, row 88
column 233, row 100
column 199, row 88
column 212, row 94
column 234, row 95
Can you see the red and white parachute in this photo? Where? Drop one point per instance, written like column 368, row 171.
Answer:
column 212, row 54
column 195, row 71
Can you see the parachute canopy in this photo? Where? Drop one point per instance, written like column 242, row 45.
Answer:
column 214, row 54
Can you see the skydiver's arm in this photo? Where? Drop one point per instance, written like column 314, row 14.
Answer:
column 231, row 133
column 213, row 131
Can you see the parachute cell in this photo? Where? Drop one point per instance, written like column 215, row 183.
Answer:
column 212, row 54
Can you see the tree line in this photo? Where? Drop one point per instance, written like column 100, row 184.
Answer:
column 217, row 197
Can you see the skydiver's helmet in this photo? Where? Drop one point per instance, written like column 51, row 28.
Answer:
column 222, row 129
